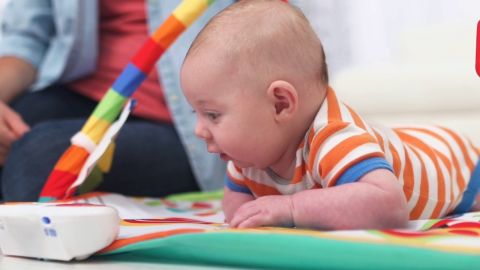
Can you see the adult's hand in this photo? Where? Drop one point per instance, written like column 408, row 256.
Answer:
column 12, row 127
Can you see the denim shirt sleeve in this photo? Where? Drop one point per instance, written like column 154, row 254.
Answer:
column 27, row 28
column 57, row 37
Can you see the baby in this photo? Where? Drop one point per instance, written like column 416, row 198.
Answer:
column 297, row 156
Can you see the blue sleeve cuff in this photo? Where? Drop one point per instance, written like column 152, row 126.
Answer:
column 470, row 193
column 234, row 187
column 24, row 49
column 354, row 173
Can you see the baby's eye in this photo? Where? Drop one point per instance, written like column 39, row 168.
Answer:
column 212, row 116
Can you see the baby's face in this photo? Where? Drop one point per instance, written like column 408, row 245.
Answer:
column 233, row 118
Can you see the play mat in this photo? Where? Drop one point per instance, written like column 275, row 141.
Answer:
column 189, row 228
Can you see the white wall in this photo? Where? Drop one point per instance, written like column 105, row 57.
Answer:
column 372, row 31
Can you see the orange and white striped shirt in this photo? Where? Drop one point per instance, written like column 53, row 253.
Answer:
column 434, row 164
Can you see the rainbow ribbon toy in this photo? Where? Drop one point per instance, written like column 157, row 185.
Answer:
column 95, row 140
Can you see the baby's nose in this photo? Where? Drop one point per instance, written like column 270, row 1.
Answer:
column 202, row 132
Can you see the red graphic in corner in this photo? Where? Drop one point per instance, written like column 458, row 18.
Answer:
column 477, row 65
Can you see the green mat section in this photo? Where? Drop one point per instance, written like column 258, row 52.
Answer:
column 276, row 251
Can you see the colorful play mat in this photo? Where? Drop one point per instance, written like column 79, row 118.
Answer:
column 189, row 228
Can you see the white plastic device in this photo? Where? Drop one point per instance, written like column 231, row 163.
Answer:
column 56, row 231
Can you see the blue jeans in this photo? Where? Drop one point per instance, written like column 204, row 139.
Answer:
column 149, row 158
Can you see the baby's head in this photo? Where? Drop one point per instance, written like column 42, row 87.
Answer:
column 256, row 75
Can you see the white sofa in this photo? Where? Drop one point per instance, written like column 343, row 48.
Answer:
column 432, row 81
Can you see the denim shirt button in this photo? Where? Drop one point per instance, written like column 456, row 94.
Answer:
column 174, row 97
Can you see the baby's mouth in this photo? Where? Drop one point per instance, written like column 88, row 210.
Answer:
column 225, row 157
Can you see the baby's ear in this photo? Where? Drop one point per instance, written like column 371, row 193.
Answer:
column 284, row 97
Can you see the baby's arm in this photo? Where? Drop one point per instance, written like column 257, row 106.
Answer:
column 375, row 201
column 232, row 200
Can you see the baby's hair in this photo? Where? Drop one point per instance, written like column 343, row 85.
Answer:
column 266, row 34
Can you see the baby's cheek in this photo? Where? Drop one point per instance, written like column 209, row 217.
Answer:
column 237, row 148
column 232, row 140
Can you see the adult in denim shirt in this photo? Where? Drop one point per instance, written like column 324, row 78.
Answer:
column 48, row 44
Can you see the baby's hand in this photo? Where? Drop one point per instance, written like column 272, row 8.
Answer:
column 276, row 210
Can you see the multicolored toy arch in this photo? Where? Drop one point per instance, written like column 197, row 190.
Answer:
column 67, row 170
